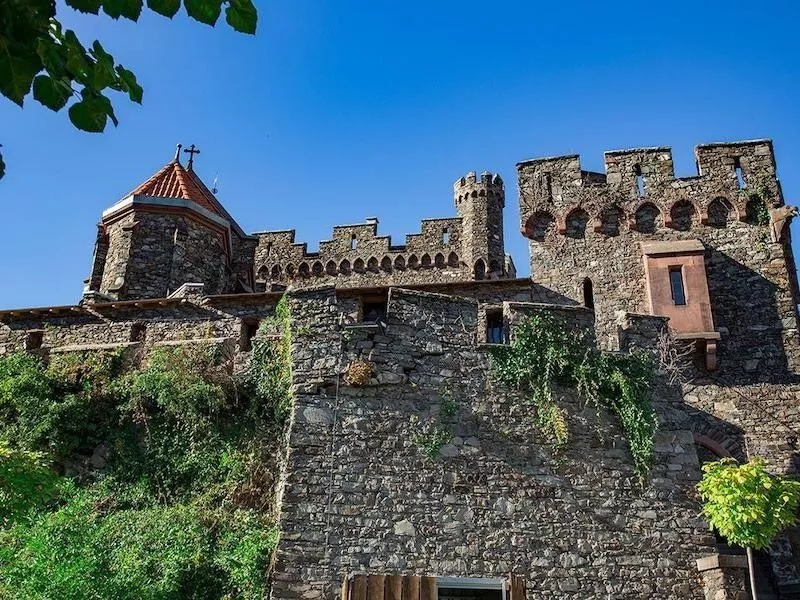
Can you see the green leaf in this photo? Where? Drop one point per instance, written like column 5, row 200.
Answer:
column 205, row 11
column 129, row 84
column 85, row 6
column 130, row 9
column 51, row 92
column 17, row 72
column 92, row 112
column 242, row 16
column 103, row 72
column 167, row 8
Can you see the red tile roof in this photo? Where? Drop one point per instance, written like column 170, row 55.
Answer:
column 173, row 181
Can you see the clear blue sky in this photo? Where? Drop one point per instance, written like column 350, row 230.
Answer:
column 340, row 110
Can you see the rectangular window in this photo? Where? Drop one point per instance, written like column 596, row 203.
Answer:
column 353, row 242
column 495, row 332
column 373, row 310
column 445, row 236
column 676, row 285
column 247, row 332
column 740, row 183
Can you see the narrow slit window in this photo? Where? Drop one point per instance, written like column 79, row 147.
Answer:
column 547, row 185
column 353, row 242
column 740, row 183
column 588, row 293
column 445, row 236
column 495, row 331
column 639, row 181
column 676, row 285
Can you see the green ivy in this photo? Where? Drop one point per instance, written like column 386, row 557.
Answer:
column 547, row 352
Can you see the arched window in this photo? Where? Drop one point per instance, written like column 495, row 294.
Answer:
column 304, row 270
column 330, row 268
column 452, row 260
column 276, row 273
column 317, row 269
column 413, row 262
column 576, row 223
column 718, row 213
column 588, row 293
column 438, row 260
column 683, row 215
column 480, row 269
column 386, row 264
column 400, row 263
column 756, row 211
column 344, row 267
column 539, row 226
column 263, row 273
column 647, row 218
column 372, row 264
column 358, row 265
column 426, row 261
column 290, row 271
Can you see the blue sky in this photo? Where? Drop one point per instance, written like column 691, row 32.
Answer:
column 336, row 111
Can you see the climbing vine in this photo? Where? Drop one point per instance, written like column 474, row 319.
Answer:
column 546, row 352
column 433, row 434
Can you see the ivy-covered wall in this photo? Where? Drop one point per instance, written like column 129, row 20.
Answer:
column 433, row 467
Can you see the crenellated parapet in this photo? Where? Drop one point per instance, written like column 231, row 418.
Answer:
column 639, row 190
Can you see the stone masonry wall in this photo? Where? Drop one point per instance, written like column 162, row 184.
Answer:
column 360, row 496
column 589, row 225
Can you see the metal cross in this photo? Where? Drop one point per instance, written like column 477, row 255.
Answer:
column 191, row 151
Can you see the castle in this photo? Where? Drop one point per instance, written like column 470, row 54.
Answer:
column 624, row 254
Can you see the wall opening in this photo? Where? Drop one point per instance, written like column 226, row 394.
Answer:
column 547, row 185
column 495, row 329
column 445, row 236
column 138, row 331
column 676, row 286
column 471, row 588
column 247, row 331
column 34, row 339
column 588, row 293
column 373, row 308
column 480, row 269
column 737, row 167
column 640, row 189
column 353, row 242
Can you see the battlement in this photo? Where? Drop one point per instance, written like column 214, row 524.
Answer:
column 489, row 185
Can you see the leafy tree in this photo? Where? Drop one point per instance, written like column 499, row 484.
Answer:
column 747, row 505
column 37, row 55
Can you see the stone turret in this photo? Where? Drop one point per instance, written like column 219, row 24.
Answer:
column 479, row 204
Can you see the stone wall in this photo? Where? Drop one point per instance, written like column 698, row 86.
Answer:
column 584, row 225
column 360, row 495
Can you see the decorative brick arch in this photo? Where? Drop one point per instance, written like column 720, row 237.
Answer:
column 538, row 225
column 581, row 218
column 641, row 214
column 673, row 218
column 713, row 212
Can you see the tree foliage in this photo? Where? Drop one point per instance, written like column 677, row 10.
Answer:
column 39, row 57
column 148, row 481
column 746, row 504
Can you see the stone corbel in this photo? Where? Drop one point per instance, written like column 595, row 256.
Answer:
column 780, row 218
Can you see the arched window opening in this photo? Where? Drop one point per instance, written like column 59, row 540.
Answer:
column 756, row 211
column 317, row 269
column 426, row 261
column 718, row 213
column 330, row 268
column 588, row 293
column 480, row 269
column 439, row 260
column 304, row 270
column 413, row 262
column 647, row 218
column 344, row 267
column 290, row 271
column 576, row 223
column 358, row 266
column 452, row 260
column 263, row 273
column 400, row 263
column 372, row 264
column 539, row 226
column 386, row 264
column 276, row 273
column 683, row 215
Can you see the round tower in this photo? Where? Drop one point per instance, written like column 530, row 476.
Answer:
column 480, row 203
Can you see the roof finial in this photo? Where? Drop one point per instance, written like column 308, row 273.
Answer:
column 177, row 158
column 191, row 151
